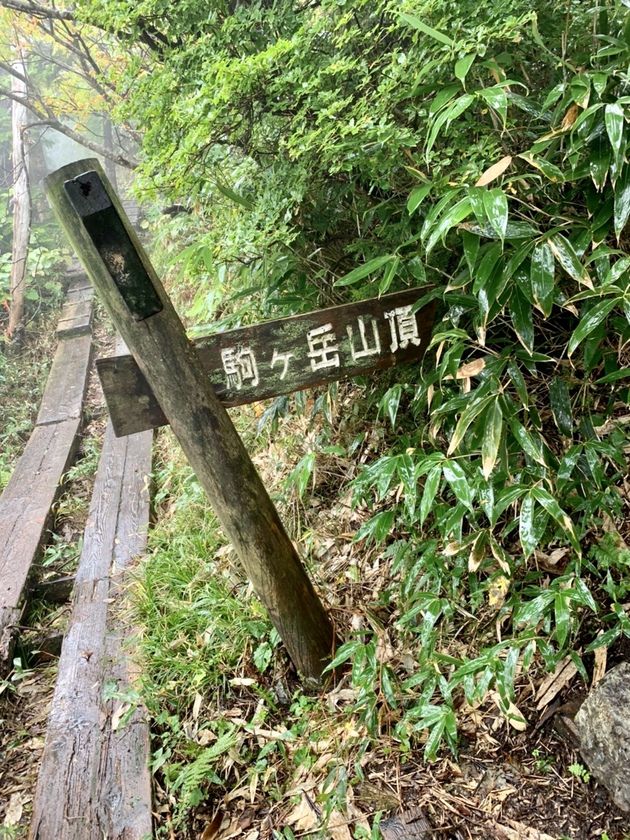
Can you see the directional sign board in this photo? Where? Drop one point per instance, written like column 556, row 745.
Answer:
column 279, row 357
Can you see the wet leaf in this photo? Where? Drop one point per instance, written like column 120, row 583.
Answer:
column 491, row 438
column 521, row 314
column 564, row 252
column 417, row 197
column 546, row 500
column 414, row 21
column 542, row 277
column 463, row 66
column 431, row 484
column 496, row 206
column 622, row 202
column 614, row 120
column 561, row 405
column 458, row 482
column 592, row 319
column 527, row 532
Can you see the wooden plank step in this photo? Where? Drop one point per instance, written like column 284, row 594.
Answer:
column 26, row 503
column 76, row 315
column 67, row 382
column 94, row 780
column 25, row 509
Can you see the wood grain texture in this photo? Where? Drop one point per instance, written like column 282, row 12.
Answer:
column 76, row 315
column 27, row 501
column 67, row 382
column 94, row 780
column 360, row 333
column 25, row 508
column 211, row 443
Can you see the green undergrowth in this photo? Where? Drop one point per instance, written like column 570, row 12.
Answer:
column 22, row 380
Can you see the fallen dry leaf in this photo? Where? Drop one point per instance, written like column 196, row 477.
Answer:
column 303, row 816
column 338, row 827
column 493, row 172
column 555, row 682
column 599, row 668
column 515, row 830
column 14, row 811
column 513, row 715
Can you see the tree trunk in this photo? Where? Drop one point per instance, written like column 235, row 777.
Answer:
column 21, row 202
column 108, row 142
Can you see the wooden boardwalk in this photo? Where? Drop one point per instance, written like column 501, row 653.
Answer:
column 94, row 780
column 27, row 501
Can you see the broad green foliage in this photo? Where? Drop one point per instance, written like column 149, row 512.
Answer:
column 349, row 148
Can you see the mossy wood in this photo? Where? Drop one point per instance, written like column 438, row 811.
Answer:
column 280, row 357
column 171, row 365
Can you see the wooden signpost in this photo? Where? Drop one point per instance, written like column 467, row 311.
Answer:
column 280, row 357
column 178, row 390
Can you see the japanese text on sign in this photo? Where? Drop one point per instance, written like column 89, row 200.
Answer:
column 324, row 348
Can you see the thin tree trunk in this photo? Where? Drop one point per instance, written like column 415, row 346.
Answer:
column 21, row 202
column 108, row 142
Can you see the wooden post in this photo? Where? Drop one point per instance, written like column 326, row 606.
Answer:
column 141, row 310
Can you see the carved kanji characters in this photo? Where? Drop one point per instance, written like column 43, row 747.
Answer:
column 239, row 364
column 322, row 347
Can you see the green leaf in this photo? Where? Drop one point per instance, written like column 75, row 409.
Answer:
column 542, row 277
column 237, row 198
column 525, row 439
column 463, row 66
column 497, row 99
column 614, row 120
column 526, row 530
column 590, row 321
column 470, row 413
column 496, row 206
column 362, row 271
column 622, row 201
column 377, row 528
column 458, row 482
column 414, row 21
column 451, row 218
column 599, row 163
column 450, row 113
column 622, row 373
column 521, row 314
column 417, row 196
column 561, row 405
column 390, row 402
column 551, row 172
column 431, row 484
column 491, row 438
column 563, row 618
column 546, row 500
column 388, row 276
column 569, row 260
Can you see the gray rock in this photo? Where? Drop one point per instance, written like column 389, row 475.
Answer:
column 604, row 726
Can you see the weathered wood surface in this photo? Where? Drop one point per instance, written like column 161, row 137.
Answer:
column 65, row 391
column 94, row 780
column 76, row 315
column 280, row 357
column 28, row 498
column 25, row 508
column 156, row 338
